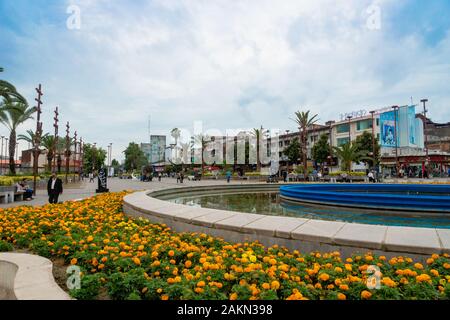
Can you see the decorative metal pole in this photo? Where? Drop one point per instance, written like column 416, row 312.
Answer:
column 67, row 153
column 81, row 162
column 55, row 140
column 349, row 131
column 74, row 152
column 37, row 138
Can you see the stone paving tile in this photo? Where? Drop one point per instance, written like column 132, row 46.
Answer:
column 361, row 235
column 415, row 240
column 276, row 226
column 213, row 217
column 238, row 222
column 444, row 236
column 317, row 230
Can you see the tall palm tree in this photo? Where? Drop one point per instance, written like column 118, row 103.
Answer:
column 47, row 142
column 13, row 113
column 258, row 134
column 349, row 153
column 304, row 121
column 203, row 141
column 175, row 133
column 8, row 91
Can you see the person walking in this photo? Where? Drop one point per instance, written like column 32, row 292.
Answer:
column 371, row 176
column 91, row 177
column 228, row 174
column 54, row 188
column 181, row 177
column 159, row 176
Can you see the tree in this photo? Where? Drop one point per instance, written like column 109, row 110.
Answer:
column 364, row 144
column 47, row 142
column 134, row 157
column 93, row 158
column 304, row 121
column 115, row 164
column 293, row 151
column 9, row 92
column 14, row 112
column 203, row 141
column 175, row 133
column 321, row 150
column 349, row 153
column 258, row 134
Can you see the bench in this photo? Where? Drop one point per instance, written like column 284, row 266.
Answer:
column 9, row 194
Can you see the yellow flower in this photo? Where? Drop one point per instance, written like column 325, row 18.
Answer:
column 275, row 285
column 366, row 294
column 341, row 296
column 324, row 277
column 73, row 261
column 418, row 266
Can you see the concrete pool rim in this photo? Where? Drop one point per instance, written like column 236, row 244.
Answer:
column 304, row 234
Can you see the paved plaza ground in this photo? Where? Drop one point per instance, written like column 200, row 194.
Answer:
column 84, row 189
column 73, row 191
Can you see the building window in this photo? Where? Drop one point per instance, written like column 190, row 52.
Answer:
column 342, row 141
column 343, row 128
column 281, row 143
column 364, row 125
column 378, row 122
column 378, row 136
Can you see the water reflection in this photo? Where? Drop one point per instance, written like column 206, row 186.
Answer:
column 269, row 203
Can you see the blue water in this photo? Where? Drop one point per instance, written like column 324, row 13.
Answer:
column 269, row 203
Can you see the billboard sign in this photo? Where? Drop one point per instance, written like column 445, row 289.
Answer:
column 387, row 129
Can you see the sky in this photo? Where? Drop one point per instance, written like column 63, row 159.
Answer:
column 232, row 64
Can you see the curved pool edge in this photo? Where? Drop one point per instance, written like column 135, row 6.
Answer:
column 327, row 194
column 294, row 233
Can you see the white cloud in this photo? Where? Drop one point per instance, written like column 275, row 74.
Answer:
column 182, row 61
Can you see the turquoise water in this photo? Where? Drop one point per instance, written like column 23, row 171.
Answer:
column 269, row 203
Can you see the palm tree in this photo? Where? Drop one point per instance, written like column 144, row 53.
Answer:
column 47, row 142
column 203, row 141
column 258, row 134
column 8, row 91
column 14, row 112
column 349, row 153
column 175, row 133
column 304, row 121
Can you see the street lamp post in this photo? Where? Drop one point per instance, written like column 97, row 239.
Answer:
column 373, row 137
column 349, row 129
column 6, row 151
column 396, row 140
column 424, row 101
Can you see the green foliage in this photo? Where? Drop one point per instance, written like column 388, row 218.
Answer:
column 321, row 150
column 293, row 151
column 93, row 158
column 349, row 153
column 89, row 288
column 364, row 145
column 5, row 246
column 135, row 158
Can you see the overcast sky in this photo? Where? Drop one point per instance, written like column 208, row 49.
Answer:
column 231, row 64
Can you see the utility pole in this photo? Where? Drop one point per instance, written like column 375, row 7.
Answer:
column 424, row 101
column 55, row 140
column 37, row 137
column 67, row 150
column 396, row 140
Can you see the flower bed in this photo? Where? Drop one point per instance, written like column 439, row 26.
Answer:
column 135, row 259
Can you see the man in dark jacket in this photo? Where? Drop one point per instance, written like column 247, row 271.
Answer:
column 54, row 188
